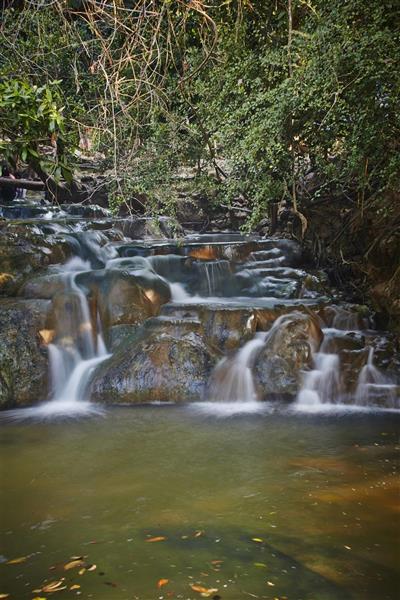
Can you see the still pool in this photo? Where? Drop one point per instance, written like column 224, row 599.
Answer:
column 169, row 502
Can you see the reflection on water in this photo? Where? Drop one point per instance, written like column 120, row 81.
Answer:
column 264, row 505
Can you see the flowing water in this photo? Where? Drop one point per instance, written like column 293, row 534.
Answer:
column 243, row 495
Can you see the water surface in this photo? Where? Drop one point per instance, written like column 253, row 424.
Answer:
column 254, row 505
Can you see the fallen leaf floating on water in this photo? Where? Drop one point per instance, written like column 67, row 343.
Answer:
column 198, row 533
column 92, row 568
column 75, row 587
column 258, row 564
column 4, row 596
column 270, row 584
column 17, row 561
column 54, row 586
column 258, row 540
column 205, row 592
column 348, row 547
column 82, row 572
column 159, row 538
column 162, row 582
column 73, row 564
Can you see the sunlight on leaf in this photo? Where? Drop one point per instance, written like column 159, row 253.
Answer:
column 162, row 582
column 73, row 564
column 54, row 586
column 17, row 561
column 258, row 540
column 205, row 592
column 159, row 538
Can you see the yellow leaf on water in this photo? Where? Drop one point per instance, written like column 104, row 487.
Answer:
column 82, row 572
column 270, row 583
column 162, row 582
column 258, row 540
column 73, row 564
column 54, row 586
column 348, row 547
column 3, row 596
column 205, row 592
column 75, row 587
column 17, row 561
column 198, row 533
column 92, row 568
column 159, row 538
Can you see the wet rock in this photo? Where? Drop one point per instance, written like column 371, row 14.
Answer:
column 86, row 211
column 43, row 286
column 23, row 357
column 156, row 228
column 223, row 327
column 286, row 353
column 166, row 362
column 25, row 250
column 128, row 295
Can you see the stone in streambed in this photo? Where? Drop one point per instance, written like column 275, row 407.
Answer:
column 23, row 358
column 287, row 352
column 166, row 361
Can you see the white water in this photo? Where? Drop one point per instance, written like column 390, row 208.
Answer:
column 321, row 385
column 75, row 353
column 374, row 387
column 232, row 379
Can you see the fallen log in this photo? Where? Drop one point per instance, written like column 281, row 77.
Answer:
column 25, row 184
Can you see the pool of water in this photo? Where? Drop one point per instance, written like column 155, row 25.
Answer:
column 248, row 505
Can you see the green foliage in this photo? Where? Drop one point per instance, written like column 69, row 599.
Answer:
column 322, row 113
column 30, row 117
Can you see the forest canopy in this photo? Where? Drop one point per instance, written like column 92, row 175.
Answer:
column 283, row 100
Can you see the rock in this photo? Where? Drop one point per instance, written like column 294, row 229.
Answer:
column 23, row 357
column 86, row 211
column 156, row 228
column 287, row 352
column 25, row 250
column 164, row 362
column 127, row 295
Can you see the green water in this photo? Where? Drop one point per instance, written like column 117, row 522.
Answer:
column 320, row 492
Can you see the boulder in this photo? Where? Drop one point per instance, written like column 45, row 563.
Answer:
column 23, row 357
column 166, row 361
column 25, row 250
column 287, row 351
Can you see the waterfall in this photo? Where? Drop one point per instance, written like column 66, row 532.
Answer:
column 215, row 273
column 322, row 384
column 232, row 379
column 77, row 348
column 373, row 387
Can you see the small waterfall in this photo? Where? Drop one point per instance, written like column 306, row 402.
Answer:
column 373, row 387
column 77, row 348
column 215, row 273
column 232, row 379
column 322, row 384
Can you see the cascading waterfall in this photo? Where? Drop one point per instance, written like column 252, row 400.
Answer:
column 373, row 387
column 232, row 379
column 77, row 349
column 215, row 273
column 322, row 384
